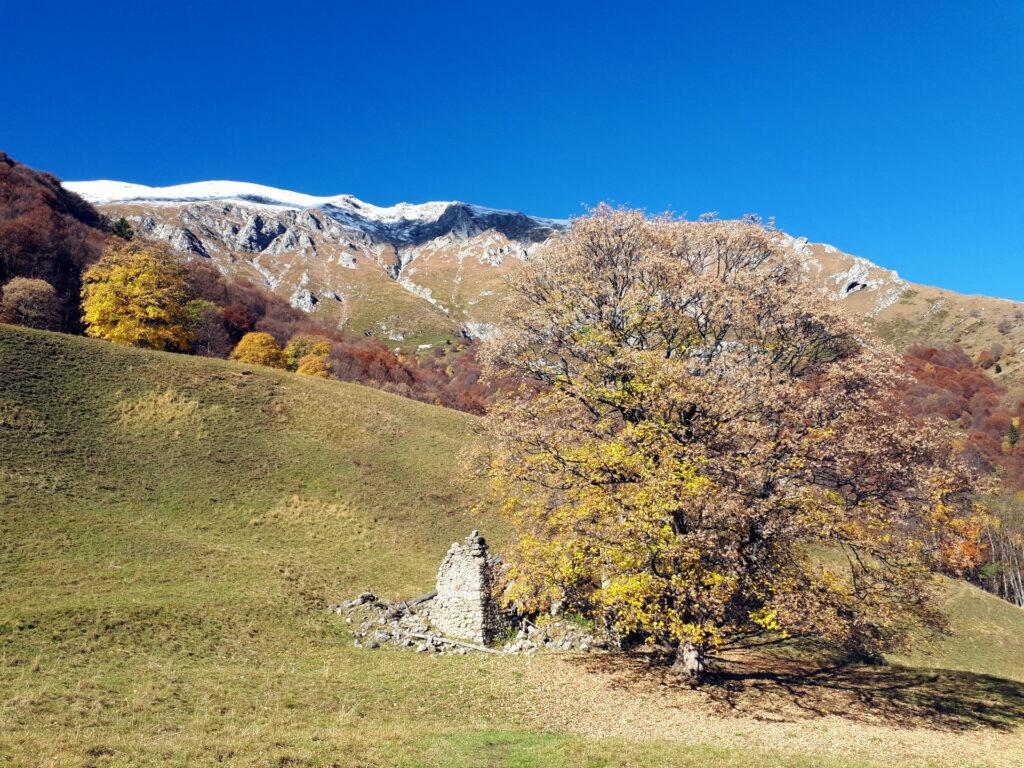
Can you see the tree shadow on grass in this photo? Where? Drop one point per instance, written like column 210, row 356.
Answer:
column 774, row 689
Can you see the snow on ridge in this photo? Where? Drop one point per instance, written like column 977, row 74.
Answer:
column 553, row 223
column 105, row 191
column 398, row 212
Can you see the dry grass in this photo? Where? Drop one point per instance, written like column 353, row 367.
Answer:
column 889, row 714
column 18, row 417
column 300, row 511
column 166, row 411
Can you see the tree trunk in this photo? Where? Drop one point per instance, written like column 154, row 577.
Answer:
column 690, row 662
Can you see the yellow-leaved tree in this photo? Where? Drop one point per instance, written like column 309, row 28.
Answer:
column 136, row 295
column 313, row 365
column 303, row 345
column 259, row 348
column 705, row 447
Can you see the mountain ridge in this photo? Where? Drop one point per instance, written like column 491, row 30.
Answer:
column 420, row 274
column 357, row 264
column 106, row 191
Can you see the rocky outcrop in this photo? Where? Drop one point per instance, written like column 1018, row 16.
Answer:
column 258, row 233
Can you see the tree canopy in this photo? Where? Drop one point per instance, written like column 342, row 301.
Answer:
column 313, row 365
column 305, row 344
column 48, row 233
column 136, row 295
column 705, row 446
column 122, row 228
column 259, row 348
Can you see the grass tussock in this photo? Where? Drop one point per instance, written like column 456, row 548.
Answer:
column 14, row 417
column 165, row 410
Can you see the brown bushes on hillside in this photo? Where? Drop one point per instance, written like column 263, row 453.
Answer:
column 948, row 384
column 31, row 302
column 47, row 233
column 246, row 307
column 448, row 376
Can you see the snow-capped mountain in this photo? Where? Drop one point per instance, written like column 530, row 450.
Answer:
column 406, row 272
column 411, row 272
column 402, row 223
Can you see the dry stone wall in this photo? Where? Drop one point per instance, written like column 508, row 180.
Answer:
column 464, row 607
column 461, row 615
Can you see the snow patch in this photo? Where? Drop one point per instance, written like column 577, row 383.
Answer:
column 105, row 191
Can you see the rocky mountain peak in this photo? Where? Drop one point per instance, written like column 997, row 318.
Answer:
column 408, row 272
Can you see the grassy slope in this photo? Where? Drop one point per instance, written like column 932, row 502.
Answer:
column 171, row 529
column 934, row 316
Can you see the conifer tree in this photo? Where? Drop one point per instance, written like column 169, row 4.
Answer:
column 122, row 229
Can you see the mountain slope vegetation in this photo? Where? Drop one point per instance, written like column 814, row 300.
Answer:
column 46, row 232
column 173, row 528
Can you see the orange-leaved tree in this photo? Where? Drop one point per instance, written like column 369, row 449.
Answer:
column 259, row 348
column 705, row 447
column 136, row 295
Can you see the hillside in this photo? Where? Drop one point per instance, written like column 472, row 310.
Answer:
column 173, row 528
column 421, row 273
column 46, row 232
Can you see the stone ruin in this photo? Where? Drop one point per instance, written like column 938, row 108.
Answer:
column 460, row 616
column 464, row 606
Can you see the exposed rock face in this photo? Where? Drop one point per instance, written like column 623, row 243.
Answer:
column 426, row 271
column 429, row 270
column 464, row 607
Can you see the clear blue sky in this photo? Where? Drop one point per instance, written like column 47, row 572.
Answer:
column 894, row 130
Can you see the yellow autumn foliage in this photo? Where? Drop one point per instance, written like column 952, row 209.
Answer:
column 259, row 348
column 313, row 365
column 136, row 295
column 303, row 345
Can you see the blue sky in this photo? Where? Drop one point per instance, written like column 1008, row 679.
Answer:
column 892, row 130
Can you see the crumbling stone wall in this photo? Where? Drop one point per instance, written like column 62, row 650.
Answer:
column 464, row 607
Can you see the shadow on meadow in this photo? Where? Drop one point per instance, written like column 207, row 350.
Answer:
column 773, row 689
